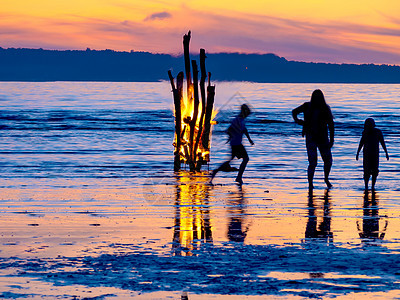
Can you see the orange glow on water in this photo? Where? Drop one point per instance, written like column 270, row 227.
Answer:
column 192, row 217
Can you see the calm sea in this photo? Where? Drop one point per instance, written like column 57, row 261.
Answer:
column 125, row 130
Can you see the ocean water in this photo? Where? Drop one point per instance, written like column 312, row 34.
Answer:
column 125, row 130
column 87, row 171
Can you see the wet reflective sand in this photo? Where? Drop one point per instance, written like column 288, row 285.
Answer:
column 159, row 239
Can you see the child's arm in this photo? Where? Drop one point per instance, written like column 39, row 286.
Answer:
column 360, row 146
column 383, row 144
column 248, row 136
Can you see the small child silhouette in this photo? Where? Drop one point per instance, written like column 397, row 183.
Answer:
column 371, row 137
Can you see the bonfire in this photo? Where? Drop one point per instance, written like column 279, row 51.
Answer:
column 193, row 118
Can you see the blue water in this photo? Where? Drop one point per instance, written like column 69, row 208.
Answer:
column 125, row 130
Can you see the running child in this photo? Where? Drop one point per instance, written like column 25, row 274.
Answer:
column 235, row 132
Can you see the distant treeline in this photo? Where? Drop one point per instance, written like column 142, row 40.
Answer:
column 109, row 65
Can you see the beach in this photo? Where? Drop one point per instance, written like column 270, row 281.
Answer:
column 90, row 205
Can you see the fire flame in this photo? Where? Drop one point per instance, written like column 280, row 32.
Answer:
column 202, row 154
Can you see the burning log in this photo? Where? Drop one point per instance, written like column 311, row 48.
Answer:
column 192, row 117
column 193, row 147
column 208, row 116
column 203, row 102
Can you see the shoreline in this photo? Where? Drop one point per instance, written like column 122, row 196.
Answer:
column 143, row 238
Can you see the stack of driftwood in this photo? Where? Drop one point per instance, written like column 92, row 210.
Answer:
column 193, row 119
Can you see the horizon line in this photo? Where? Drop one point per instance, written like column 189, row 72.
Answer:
column 193, row 53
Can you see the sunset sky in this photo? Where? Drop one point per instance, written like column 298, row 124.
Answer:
column 350, row 31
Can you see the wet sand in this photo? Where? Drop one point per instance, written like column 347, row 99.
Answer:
column 165, row 235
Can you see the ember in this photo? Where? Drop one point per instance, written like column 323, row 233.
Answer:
column 193, row 119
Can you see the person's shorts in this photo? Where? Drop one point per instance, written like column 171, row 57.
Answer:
column 239, row 151
column 371, row 167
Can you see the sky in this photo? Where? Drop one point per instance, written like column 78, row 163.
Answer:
column 337, row 31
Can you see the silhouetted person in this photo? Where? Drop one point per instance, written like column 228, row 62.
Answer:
column 323, row 229
column 317, row 120
column 370, row 139
column 370, row 228
column 235, row 132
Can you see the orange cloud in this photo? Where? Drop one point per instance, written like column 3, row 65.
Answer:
column 126, row 25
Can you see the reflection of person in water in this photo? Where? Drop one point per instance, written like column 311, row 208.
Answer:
column 317, row 120
column 323, row 229
column 371, row 137
column 370, row 225
column 236, row 211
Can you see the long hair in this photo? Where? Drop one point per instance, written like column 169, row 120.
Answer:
column 318, row 103
column 318, row 100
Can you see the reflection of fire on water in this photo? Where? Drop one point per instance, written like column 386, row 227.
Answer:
column 192, row 216
column 193, row 119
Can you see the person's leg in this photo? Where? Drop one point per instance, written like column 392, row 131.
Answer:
column 326, row 155
column 374, row 177
column 224, row 166
column 241, row 169
column 373, row 182
column 374, row 162
column 312, row 161
column 243, row 165
column 366, row 180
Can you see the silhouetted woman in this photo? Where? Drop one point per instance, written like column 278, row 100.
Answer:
column 317, row 120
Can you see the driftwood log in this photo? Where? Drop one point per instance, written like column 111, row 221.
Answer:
column 196, row 103
column 178, row 117
column 193, row 113
column 208, row 116
column 186, row 56
column 203, row 78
